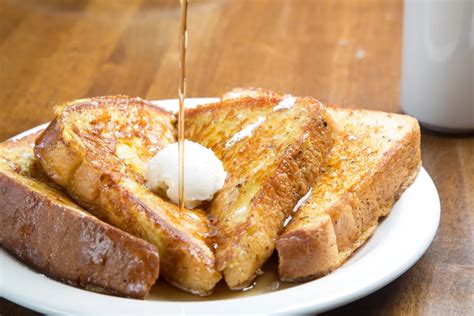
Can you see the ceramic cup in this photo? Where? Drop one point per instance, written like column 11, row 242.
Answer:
column 438, row 64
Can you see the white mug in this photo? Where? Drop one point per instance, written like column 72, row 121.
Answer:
column 438, row 63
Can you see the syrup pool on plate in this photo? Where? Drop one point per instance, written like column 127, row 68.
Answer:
column 265, row 283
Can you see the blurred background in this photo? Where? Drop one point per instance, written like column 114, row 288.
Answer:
column 347, row 52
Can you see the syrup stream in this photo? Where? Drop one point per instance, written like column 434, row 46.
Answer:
column 162, row 291
column 183, row 40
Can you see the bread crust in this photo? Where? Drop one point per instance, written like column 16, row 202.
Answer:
column 249, row 212
column 355, row 214
column 42, row 227
column 87, row 165
column 301, row 250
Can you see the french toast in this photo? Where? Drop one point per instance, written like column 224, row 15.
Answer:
column 272, row 149
column 376, row 156
column 43, row 227
column 98, row 150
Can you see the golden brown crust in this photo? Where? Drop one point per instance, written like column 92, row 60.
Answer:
column 300, row 250
column 268, row 172
column 42, row 227
column 98, row 150
column 376, row 157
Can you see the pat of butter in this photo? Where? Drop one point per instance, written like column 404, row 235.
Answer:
column 204, row 173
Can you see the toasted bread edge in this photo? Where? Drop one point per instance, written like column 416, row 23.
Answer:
column 62, row 241
column 64, row 160
column 305, row 157
column 389, row 180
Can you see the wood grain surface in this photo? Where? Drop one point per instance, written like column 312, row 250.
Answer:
column 345, row 52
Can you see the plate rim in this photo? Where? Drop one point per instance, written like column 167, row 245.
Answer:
column 184, row 307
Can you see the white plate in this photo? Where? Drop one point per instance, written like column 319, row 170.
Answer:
column 401, row 239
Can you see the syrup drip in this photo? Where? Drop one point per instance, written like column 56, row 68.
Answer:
column 183, row 40
column 268, row 282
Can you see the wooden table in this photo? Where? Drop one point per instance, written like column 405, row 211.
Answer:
column 345, row 52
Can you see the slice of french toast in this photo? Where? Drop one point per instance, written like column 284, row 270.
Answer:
column 376, row 156
column 44, row 228
column 98, row 150
column 271, row 148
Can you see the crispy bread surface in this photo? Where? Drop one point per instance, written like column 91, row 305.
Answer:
column 272, row 152
column 98, row 150
column 43, row 227
column 375, row 158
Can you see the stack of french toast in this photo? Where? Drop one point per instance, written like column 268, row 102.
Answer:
column 75, row 205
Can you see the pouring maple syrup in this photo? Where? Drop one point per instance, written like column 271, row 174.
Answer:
column 183, row 40
column 268, row 282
